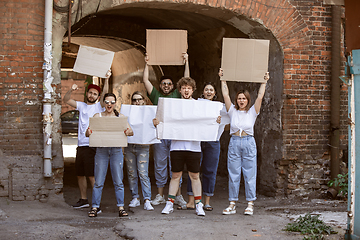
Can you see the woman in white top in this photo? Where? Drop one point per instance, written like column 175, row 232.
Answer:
column 106, row 156
column 137, row 162
column 242, row 147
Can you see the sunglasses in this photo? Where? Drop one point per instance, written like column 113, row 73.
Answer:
column 137, row 99
column 107, row 102
column 167, row 83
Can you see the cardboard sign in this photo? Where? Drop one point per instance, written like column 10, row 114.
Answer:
column 108, row 131
column 244, row 60
column 190, row 120
column 141, row 122
column 166, row 47
column 93, row 61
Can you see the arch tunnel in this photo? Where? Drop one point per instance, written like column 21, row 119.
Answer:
column 122, row 29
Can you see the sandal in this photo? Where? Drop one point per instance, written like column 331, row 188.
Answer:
column 207, row 207
column 123, row 213
column 231, row 209
column 185, row 208
column 94, row 212
column 250, row 209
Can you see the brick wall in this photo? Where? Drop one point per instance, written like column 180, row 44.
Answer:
column 21, row 58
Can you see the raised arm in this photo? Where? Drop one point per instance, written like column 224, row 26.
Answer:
column 186, row 61
column 105, row 88
column 149, row 87
column 225, row 92
column 261, row 93
column 67, row 96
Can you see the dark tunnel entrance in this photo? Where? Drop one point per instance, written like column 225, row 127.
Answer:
column 123, row 29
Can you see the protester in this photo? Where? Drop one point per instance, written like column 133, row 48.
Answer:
column 105, row 156
column 210, row 153
column 185, row 153
column 162, row 150
column 137, row 162
column 84, row 161
column 242, row 147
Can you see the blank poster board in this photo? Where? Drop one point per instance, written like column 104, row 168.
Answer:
column 141, row 122
column 93, row 61
column 190, row 120
column 108, row 131
column 244, row 60
column 166, row 47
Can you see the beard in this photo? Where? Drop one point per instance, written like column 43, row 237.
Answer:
column 90, row 101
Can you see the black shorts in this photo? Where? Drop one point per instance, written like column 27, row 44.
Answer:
column 180, row 158
column 85, row 161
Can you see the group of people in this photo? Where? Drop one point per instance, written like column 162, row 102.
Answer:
column 171, row 155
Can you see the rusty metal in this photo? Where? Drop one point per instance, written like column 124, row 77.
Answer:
column 352, row 23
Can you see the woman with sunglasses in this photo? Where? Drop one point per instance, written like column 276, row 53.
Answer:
column 137, row 163
column 105, row 156
column 210, row 153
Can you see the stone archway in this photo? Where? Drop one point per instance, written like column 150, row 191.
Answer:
column 207, row 25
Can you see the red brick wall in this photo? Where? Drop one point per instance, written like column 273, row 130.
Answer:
column 21, row 58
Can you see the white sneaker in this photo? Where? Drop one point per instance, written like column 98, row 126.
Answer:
column 158, row 200
column 169, row 208
column 199, row 209
column 179, row 200
column 134, row 203
column 147, row 206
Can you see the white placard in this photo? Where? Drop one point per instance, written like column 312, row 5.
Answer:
column 93, row 61
column 244, row 60
column 140, row 119
column 191, row 120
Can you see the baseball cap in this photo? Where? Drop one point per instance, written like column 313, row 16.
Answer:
column 95, row 87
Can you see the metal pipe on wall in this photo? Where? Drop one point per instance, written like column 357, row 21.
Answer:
column 335, row 91
column 47, row 101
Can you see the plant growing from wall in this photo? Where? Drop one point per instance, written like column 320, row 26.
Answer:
column 312, row 226
column 341, row 182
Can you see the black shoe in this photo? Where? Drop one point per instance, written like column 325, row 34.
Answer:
column 94, row 212
column 82, row 203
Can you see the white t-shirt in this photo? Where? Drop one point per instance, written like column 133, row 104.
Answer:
column 85, row 112
column 242, row 120
column 182, row 145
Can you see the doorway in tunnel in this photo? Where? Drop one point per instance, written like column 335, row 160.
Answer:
column 126, row 24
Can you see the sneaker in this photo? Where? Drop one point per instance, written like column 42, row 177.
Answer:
column 179, row 200
column 82, row 203
column 158, row 200
column 134, row 203
column 148, row 206
column 199, row 209
column 169, row 208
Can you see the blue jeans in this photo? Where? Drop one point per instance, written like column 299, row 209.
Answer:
column 104, row 156
column 242, row 158
column 161, row 164
column 209, row 164
column 137, row 162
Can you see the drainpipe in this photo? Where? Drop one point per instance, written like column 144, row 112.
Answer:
column 335, row 91
column 47, row 101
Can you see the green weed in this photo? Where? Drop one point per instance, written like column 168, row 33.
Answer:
column 340, row 181
column 312, row 226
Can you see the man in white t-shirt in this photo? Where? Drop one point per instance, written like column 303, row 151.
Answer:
column 84, row 162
